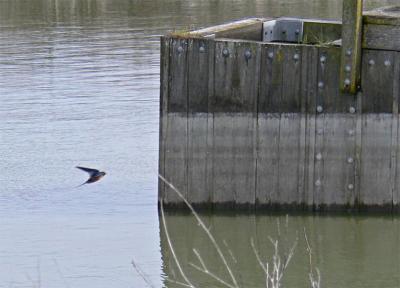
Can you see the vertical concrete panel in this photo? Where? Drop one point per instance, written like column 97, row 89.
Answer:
column 175, row 169
column 223, row 149
column 289, row 145
column 268, row 125
column 210, row 122
column 244, row 159
column 377, row 108
column 319, row 160
column 375, row 159
column 337, row 157
column 234, row 105
column 395, row 131
column 199, row 54
column 197, row 158
column 289, row 136
column 223, row 184
column 339, row 160
column 267, row 157
column 311, row 105
column 164, row 88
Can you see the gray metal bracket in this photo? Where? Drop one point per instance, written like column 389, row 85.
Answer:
column 283, row 30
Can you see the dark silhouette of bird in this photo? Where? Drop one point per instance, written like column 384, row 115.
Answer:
column 94, row 174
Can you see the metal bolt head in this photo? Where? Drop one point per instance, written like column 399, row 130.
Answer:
column 318, row 156
column 322, row 59
column 371, row 62
column 347, row 68
column 318, row 183
column 180, row 49
column 348, row 52
column 202, row 49
column 350, row 186
column 352, row 110
column 320, row 109
column 296, row 57
column 350, row 132
column 346, row 82
column 270, row 55
column 320, row 84
column 225, row 52
column 297, row 32
column 350, row 160
column 247, row 54
column 387, row 63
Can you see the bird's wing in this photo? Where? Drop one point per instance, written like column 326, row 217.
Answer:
column 88, row 170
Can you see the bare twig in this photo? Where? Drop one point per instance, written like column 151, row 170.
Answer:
column 204, row 227
column 315, row 281
column 264, row 268
column 212, row 275
column 230, row 251
column 142, row 275
column 177, row 282
column 274, row 277
column 172, row 248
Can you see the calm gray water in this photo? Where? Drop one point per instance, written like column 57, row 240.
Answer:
column 79, row 85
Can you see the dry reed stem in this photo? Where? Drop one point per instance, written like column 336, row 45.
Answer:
column 177, row 282
column 204, row 227
column 273, row 278
column 142, row 274
column 205, row 270
column 172, row 248
column 314, row 281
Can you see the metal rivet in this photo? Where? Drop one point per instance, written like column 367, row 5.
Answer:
column 319, row 109
column 322, row 59
column 371, row 62
column 320, row 131
column 348, row 52
column 352, row 110
column 350, row 160
column 347, row 68
column 297, row 32
column 387, row 63
column 296, row 57
column 318, row 183
column 202, row 49
column 247, row 54
column 271, row 55
column 346, row 82
column 321, row 84
column 180, row 49
column 225, row 52
column 318, row 156
column 350, row 132
column 350, row 186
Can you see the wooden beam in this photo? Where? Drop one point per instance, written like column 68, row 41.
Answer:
column 351, row 45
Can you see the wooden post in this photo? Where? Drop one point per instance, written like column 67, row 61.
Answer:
column 351, row 45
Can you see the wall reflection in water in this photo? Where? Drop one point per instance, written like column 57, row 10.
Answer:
column 349, row 251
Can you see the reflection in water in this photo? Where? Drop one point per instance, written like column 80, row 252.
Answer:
column 355, row 252
column 79, row 85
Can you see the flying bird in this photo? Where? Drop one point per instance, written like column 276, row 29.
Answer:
column 94, row 174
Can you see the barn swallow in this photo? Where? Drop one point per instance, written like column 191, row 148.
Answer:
column 94, row 175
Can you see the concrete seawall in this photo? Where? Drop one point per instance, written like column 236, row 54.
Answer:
column 255, row 124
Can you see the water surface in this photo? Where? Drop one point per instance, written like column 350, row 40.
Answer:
column 79, row 85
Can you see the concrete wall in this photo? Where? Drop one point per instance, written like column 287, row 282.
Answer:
column 251, row 124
